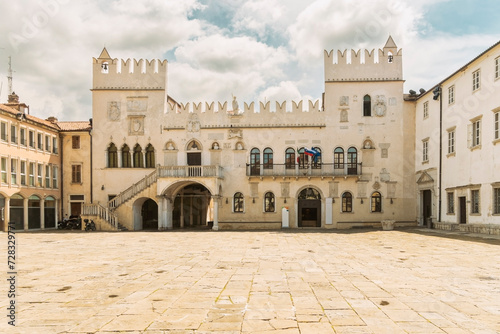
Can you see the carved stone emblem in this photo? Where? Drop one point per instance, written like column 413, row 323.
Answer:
column 235, row 133
column 344, row 100
column 136, row 125
column 138, row 104
column 380, row 105
column 344, row 115
column 114, row 110
column 193, row 123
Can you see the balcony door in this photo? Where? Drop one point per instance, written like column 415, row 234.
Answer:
column 194, row 159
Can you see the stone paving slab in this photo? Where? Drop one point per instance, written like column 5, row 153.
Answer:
column 350, row 282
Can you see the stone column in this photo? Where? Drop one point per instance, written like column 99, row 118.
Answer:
column 182, row 210
column 191, row 212
column 144, row 158
column 42, row 214
column 6, row 214
column 119, row 152
column 329, row 211
column 169, row 208
column 216, row 213
column 25, row 212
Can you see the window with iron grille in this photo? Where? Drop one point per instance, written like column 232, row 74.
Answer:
column 474, row 201
column 347, row 202
column 238, row 202
column 269, row 202
column 451, row 202
column 451, row 94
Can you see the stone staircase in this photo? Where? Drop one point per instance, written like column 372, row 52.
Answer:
column 106, row 214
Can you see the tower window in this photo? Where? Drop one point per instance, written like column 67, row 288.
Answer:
column 367, row 105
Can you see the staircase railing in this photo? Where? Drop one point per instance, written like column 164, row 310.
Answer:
column 101, row 212
column 133, row 190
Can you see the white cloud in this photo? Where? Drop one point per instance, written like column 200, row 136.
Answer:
column 214, row 67
column 255, row 49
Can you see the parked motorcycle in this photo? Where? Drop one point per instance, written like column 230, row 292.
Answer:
column 74, row 224
column 89, row 226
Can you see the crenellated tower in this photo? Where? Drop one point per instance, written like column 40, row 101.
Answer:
column 351, row 66
column 130, row 74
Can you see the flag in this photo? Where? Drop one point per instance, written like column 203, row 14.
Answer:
column 311, row 152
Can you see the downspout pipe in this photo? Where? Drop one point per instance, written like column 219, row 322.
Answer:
column 438, row 94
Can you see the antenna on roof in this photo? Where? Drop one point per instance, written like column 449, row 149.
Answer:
column 9, row 76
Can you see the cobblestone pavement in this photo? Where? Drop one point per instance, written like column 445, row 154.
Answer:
column 361, row 281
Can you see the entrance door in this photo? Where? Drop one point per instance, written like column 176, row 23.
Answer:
column 2, row 213
column 76, row 209
column 463, row 210
column 309, row 208
column 427, row 207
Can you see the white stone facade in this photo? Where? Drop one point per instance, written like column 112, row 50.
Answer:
column 238, row 165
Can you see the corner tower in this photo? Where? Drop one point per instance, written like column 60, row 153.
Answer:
column 363, row 65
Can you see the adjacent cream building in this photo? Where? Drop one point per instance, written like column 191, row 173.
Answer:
column 457, row 148
column 30, row 163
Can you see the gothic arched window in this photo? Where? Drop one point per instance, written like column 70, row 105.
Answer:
column 367, row 105
column 138, row 159
column 150, row 156
column 126, row 161
column 112, row 156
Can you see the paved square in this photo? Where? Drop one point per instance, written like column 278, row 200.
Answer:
column 361, row 281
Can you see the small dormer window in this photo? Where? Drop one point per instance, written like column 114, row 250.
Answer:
column 105, row 67
column 390, row 57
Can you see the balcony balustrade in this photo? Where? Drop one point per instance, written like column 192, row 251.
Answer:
column 307, row 170
column 190, row 171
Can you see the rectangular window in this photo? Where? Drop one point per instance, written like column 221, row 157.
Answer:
column 451, row 94
column 54, row 145
column 451, row 142
column 497, row 125
column 47, row 143
column 13, row 171
column 476, row 133
column 13, row 134
column 32, row 139
column 476, row 77
column 3, row 169
column 497, row 67
column 55, row 170
column 47, row 176
column 3, row 131
column 451, row 203
column 426, row 109
column 23, row 173
column 76, row 174
column 32, row 174
column 40, row 141
column 75, row 142
column 40, row 176
column 496, row 201
column 22, row 137
column 474, row 201
column 425, row 150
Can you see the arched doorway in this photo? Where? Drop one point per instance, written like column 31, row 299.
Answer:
column 309, row 208
column 50, row 212
column 149, row 215
column 193, row 207
column 34, row 216
column 17, row 211
column 145, row 213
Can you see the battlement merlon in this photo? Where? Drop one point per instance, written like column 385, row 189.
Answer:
column 350, row 66
column 142, row 74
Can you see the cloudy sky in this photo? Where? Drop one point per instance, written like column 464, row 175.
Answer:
column 254, row 49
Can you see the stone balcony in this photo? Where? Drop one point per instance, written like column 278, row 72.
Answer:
column 321, row 170
column 190, row 171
